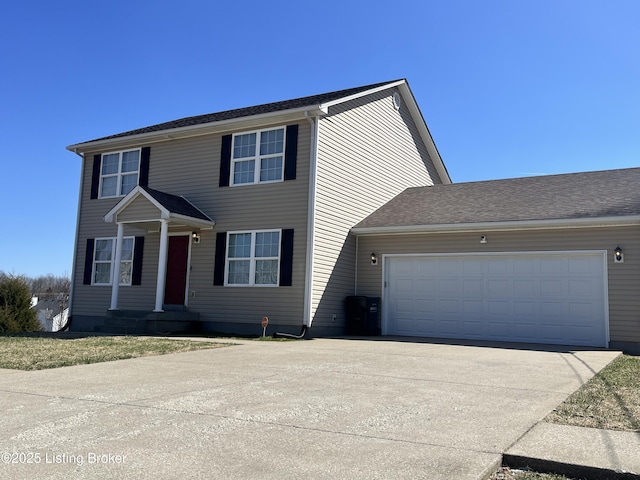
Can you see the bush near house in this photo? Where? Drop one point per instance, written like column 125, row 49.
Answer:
column 16, row 314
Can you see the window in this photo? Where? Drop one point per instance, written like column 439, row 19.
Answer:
column 119, row 173
column 258, row 157
column 104, row 255
column 253, row 258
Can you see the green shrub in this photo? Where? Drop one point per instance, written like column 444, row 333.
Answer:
column 16, row 314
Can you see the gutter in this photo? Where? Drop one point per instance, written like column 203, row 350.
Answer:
column 500, row 226
column 191, row 130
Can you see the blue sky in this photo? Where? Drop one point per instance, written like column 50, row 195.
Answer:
column 508, row 88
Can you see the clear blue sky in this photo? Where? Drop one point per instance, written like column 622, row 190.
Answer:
column 508, row 87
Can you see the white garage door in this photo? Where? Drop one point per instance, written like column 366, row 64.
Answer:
column 557, row 298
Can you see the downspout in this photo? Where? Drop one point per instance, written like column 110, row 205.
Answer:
column 75, row 248
column 311, row 218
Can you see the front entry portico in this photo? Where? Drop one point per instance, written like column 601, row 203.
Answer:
column 144, row 208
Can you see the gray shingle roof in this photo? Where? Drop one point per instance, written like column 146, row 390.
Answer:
column 247, row 111
column 609, row 193
column 176, row 204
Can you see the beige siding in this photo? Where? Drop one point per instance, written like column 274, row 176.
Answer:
column 139, row 209
column 190, row 167
column 624, row 278
column 368, row 152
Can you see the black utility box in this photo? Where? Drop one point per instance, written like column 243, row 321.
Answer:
column 363, row 315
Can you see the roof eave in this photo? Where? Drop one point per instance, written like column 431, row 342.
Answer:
column 192, row 130
column 500, row 226
column 425, row 134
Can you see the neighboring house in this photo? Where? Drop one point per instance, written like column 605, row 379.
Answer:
column 285, row 209
column 49, row 315
column 229, row 217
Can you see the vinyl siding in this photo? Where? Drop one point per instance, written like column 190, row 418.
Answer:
column 139, row 209
column 190, row 167
column 623, row 278
column 368, row 152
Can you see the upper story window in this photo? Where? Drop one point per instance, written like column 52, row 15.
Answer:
column 253, row 258
column 104, row 255
column 119, row 173
column 258, row 157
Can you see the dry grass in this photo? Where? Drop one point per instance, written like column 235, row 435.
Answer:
column 508, row 474
column 610, row 400
column 37, row 353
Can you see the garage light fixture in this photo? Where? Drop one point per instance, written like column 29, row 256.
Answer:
column 374, row 259
column 618, row 256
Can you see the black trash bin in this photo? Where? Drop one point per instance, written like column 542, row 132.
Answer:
column 363, row 315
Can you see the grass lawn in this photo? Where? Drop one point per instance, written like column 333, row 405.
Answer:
column 37, row 353
column 610, row 400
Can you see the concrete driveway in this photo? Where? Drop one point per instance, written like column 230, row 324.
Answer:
column 324, row 408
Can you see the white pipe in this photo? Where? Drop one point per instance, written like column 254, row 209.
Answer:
column 311, row 218
column 75, row 242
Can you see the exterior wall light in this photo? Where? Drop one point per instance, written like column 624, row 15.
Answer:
column 483, row 239
column 618, row 256
column 374, row 259
column 195, row 237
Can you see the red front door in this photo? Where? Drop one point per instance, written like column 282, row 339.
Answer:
column 177, row 265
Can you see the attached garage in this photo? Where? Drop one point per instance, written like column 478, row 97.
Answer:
column 552, row 298
column 550, row 260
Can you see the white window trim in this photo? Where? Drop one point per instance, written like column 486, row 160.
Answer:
column 112, row 262
column 257, row 158
column 252, row 260
column 119, row 174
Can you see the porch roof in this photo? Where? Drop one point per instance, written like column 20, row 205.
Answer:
column 168, row 207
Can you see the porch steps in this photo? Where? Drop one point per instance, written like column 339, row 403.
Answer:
column 137, row 322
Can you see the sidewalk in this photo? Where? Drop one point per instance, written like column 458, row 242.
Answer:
column 577, row 452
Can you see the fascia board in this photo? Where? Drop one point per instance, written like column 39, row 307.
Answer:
column 500, row 226
column 192, row 130
column 425, row 134
column 325, row 106
column 191, row 220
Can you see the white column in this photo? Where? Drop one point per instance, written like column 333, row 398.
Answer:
column 162, row 264
column 115, row 284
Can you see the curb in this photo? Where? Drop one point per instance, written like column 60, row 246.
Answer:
column 577, row 471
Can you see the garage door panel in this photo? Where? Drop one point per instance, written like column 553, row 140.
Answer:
column 546, row 298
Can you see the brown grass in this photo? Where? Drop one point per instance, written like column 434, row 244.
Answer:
column 610, row 400
column 37, row 353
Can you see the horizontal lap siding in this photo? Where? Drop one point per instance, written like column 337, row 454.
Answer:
column 368, row 152
column 623, row 279
column 191, row 168
column 139, row 209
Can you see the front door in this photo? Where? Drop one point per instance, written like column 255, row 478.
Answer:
column 177, row 267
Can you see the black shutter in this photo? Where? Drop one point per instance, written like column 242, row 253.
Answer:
column 291, row 153
column 221, row 253
column 225, row 161
column 88, row 262
column 138, row 248
column 286, row 258
column 95, row 176
column 145, row 154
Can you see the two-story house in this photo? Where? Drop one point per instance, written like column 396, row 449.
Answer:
column 283, row 210
column 237, row 215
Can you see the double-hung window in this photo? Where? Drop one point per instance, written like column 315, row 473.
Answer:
column 119, row 173
column 258, row 157
column 104, row 255
column 253, row 258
